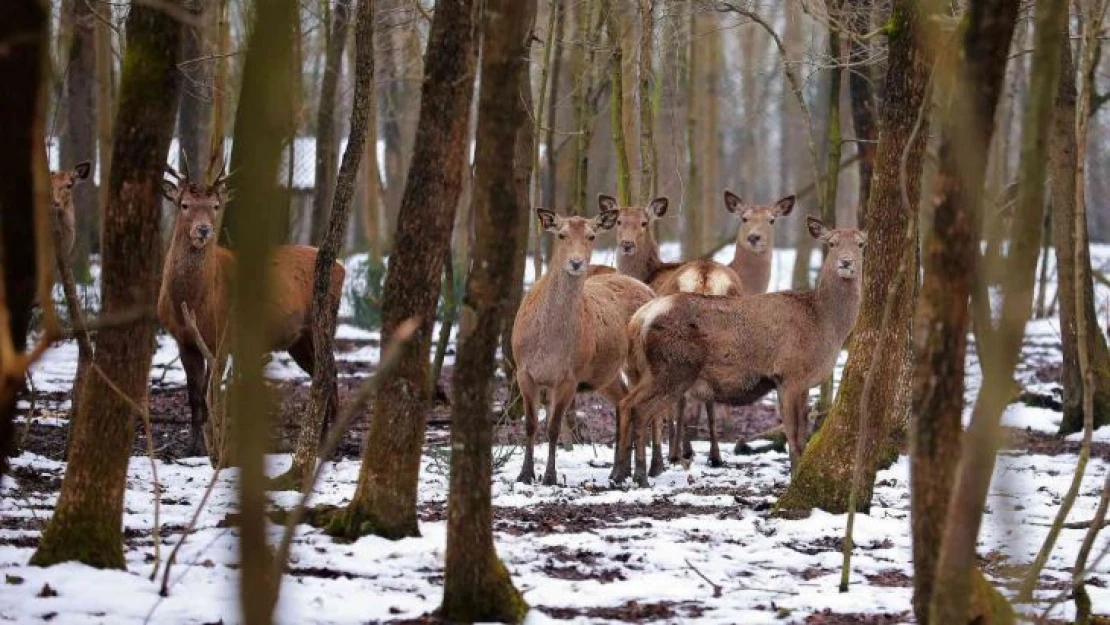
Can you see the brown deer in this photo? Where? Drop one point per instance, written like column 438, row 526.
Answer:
column 734, row 350
column 199, row 273
column 61, row 200
column 748, row 273
column 570, row 331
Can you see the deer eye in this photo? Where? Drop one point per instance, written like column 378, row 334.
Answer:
column 184, row 206
column 744, row 219
column 861, row 245
column 591, row 237
column 771, row 220
column 562, row 236
column 644, row 224
column 618, row 222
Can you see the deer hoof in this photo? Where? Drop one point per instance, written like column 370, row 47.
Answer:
column 656, row 468
column 716, row 462
column 526, row 477
column 641, row 479
column 550, row 478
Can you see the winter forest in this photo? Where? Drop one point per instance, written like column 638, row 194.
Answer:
column 592, row 311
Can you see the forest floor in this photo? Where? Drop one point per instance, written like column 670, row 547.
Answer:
column 702, row 544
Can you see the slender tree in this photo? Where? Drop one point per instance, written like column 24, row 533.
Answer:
column 263, row 107
column 385, row 500
column 967, row 497
column 477, row 586
column 21, row 124
column 195, row 112
column 645, row 102
column 824, row 479
column 79, row 138
column 950, row 254
column 861, row 95
column 323, row 331
column 87, row 522
column 326, row 148
column 616, row 102
column 1063, row 146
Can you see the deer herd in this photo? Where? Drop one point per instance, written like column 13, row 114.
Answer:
column 647, row 335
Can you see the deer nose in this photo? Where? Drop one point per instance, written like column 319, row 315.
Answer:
column 576, row 263
column 845, row 263
column 627, row 246
column 204, row 231
column 754, row 239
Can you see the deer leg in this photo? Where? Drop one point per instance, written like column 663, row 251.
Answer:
column 571, row 434
column 651, row 408
column 560, row 399
column 788, row 411
column 714, row 449
column 615, row 393
column 531, row 420
column 657, row 466
column 196, row 383
column 628, row 416
column 689, row 431
column 678, row 424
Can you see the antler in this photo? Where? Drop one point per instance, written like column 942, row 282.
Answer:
column 185, row 163
column 173, row 172
column 216, row 159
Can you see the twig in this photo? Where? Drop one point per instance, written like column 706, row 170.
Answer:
column 716, row 586
column 389, row 360
column 164, row 591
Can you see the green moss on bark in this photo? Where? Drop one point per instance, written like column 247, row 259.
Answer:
column 495, row 599
column 91, row 539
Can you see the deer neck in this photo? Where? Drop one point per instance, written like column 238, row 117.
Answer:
column 643, row 264
column 559, row 320
column 838, row 301
column 189, row 272
column 754, row 269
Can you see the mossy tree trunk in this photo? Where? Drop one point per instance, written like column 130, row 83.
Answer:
column 956, row 562
column 824, row 476
column 1062, row 150
column 21, row 123
column 385, row 499
column 477, row 586
column 322, row 403
column 87, row 522
column 950, row 258
column 616, row 102
column 263, row 107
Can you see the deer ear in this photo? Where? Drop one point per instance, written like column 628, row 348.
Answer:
column 733, row 203
column 817, row 229
column 81, row 170
column 606, row 219
column 606, row 203
column 785, row 205
column 223, row 192
column 658, row 207
column 170, row 190
column 548, row 219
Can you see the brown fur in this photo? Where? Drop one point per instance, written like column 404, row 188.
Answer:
column 570, row 331
column 735, row 350
column 61, row 196
column 199, row 273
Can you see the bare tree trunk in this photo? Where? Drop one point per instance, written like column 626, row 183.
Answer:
column 372, row 217
column 325, row 121
column 22, row 117
column 861, row 94
column 692, row 207
column 551, row 160
column 105, row 114
column 87, row 522
column 956, row 559
column 194, row 114
column 950, row 258
column 263, row 107
column 477, row 586
column 324, row 399
column 79, row 137
column 587, row 34
column 645, row 103
column 385, row 500
column 616, row 103
column 823, row 478
column 1062, row 162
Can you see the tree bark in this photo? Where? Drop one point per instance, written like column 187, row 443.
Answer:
column 645, row 102
column 79, row 139
column 956, row 559
column 824, row 476
column 1062, row 150
column 325, row 122
column 385, row 500
column 950, row 258
column 861, row 95
column 195, row 114
column 477, row 586
column 105, row 112
column 263, row 107
column 22, row 118
column 616, row 103
column 87, row 522
column 692, row 208
column 321, row 403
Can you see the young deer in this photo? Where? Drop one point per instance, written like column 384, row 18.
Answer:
column 199, row 273
column 61, row 199
column 570, row 331
column 749, row 273
column 734, row 350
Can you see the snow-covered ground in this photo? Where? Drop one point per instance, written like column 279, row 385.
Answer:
column 581, row 550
